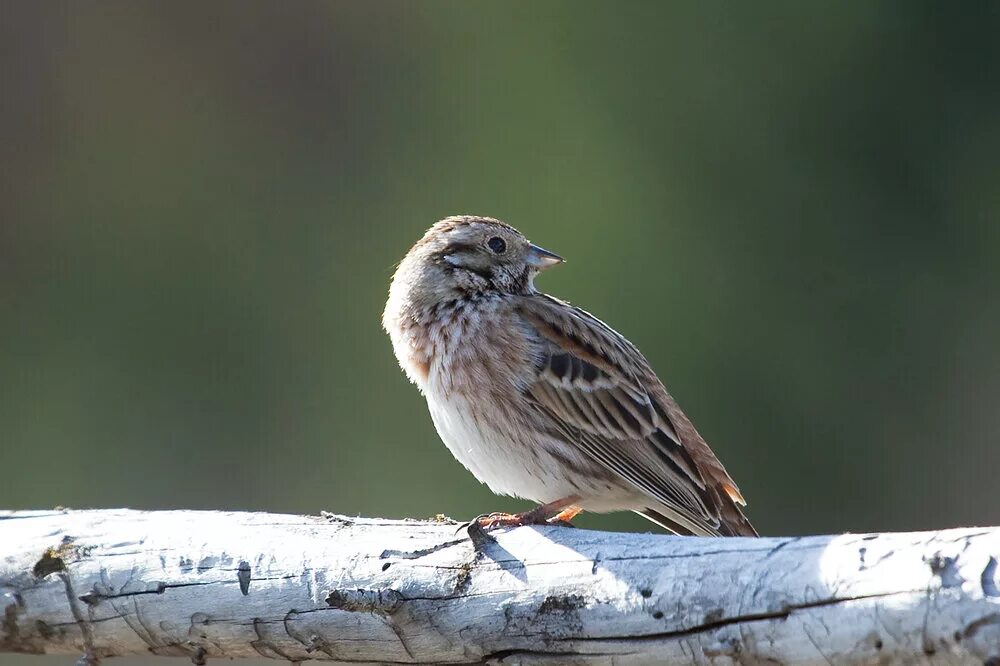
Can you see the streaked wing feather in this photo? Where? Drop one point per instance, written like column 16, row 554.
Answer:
column 599, row 392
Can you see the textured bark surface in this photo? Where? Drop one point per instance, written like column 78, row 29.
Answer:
column 211, row 584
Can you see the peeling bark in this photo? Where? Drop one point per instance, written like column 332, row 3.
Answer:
column 350, row 590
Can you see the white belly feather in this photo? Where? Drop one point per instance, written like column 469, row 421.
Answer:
column 513, row 468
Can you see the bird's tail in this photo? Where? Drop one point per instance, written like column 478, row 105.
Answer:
column 733, row 523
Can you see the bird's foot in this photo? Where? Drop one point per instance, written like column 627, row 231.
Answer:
column 497, row 519
column 560, row 512
column 480, row 525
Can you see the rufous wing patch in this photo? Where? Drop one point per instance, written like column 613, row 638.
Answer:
column 734, row 493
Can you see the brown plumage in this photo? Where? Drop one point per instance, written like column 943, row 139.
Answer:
column 540, row 399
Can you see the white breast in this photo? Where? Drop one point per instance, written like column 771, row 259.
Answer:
column 515, row 461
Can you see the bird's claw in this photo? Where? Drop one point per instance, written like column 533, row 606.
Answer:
column 477, row 534
column 479, row 527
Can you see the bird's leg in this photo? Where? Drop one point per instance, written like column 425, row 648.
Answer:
column 566, row 515
column 560, row 511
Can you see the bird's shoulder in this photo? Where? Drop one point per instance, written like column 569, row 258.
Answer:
column 570, row 329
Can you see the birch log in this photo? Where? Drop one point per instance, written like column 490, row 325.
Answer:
column 205, row 584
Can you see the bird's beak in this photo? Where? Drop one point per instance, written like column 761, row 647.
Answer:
column 542, row 259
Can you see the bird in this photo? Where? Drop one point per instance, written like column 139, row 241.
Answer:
column 540, row 399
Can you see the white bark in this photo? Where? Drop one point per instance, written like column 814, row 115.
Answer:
column 213, row 584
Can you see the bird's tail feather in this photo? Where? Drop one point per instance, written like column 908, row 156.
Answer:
column 733, row 523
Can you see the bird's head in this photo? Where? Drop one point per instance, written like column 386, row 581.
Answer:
column 467, row 254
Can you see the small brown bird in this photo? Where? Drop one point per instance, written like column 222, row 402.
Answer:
column 541, row 400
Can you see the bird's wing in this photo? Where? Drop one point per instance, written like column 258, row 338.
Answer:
column 597, row 390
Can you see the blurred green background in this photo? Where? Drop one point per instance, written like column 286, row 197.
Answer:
column 790, row 207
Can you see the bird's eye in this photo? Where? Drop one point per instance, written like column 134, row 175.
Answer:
column 497, row 245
